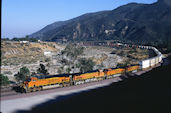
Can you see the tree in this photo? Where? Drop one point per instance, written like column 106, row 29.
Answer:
column 4, row 80
column 42, row 69
column 68, row 70
column 86, row 64
column 22, row 74
column 26, row 36
column 5, row 39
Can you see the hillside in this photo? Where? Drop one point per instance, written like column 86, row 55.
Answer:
column 134, row 22
column 15, row 53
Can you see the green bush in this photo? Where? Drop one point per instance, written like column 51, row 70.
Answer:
column 68, row 70
column 42, row 69
column 86, row 64
column 22, row 74
column 4, row 80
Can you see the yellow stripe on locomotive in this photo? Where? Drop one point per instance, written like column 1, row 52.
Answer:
column 90, row 75
column 114, row 71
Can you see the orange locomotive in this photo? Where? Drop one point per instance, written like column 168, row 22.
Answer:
column 88, row 77
column 51, row 81
column 133, row 68
column 37, row 83
column 114, row 72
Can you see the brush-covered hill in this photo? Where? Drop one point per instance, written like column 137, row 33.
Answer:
column 15, row 53
column 134, row 22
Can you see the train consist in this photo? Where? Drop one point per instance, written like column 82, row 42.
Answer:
column 51, row 81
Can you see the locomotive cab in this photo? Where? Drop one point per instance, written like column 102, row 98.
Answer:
column 26, row 84
column 33, row 79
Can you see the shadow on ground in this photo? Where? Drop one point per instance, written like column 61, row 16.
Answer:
column 149, row 93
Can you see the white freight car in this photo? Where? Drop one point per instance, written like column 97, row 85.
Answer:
column 152, row 61
column 145, row 64
column 157, row 60
column 160, row 58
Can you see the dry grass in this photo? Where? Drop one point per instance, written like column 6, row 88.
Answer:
column 14, row 53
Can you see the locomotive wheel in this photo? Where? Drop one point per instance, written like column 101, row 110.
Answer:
column 30, row 90
column 67, row 84
column 39, row 88
column 61, row 85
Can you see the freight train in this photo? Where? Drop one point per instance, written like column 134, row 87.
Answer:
column 38, row 83
column 51, row 81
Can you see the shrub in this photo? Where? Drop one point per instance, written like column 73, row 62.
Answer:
column 42, row 69
column 47, row 60
column 86, row 64
column 68, row 70
column 4, row 80
column 22, row 74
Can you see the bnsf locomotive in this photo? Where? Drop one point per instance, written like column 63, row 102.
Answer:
column 45, row 82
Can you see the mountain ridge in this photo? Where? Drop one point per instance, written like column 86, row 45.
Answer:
column 135, row 22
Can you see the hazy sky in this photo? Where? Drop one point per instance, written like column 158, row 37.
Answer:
column 23, row 17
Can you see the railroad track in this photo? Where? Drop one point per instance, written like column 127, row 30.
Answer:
column 8, row 94
column 8, row 91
